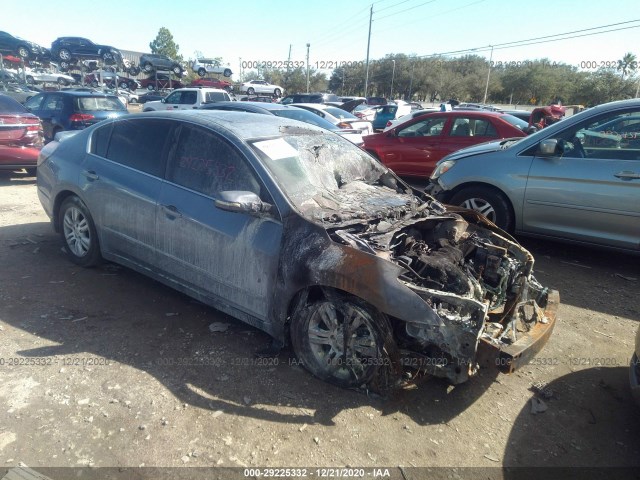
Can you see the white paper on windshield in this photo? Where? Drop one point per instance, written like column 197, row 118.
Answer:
column 276, row 149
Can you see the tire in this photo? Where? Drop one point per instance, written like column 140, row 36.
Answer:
column 277, row 92
column 64, row 54
column 202, row 72
column 229, row 88
column 23, row 52
column 108, row 58
column 32, row 172
column 133, row 71
column 78, row 233
column 151, row 87
column 317, row 333
column 251, row 91
column 64, row 66
column 227, row 72
column 177, row 70
column 30, row 80
column 147, row 67
column 124, row 85
column 62, row 81
column 488, row 201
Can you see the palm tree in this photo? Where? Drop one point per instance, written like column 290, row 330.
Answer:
column 628, row 65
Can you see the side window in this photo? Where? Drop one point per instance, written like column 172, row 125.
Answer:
column 34, row 103
column 100, row 140
column 206, row 163
column 140, row 144
column 189, row 98
column 424, row 128
column 461, row 128
column 174, row 97
column 484, row 128
column 53, row 103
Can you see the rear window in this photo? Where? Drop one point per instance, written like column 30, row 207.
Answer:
column 341, row 114
column 99, row 104
column 515, row 121
column 9, row 105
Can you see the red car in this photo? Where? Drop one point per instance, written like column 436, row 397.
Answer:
column 21, row 136
column 163, row 83
column 213, row 83
column 414, row 147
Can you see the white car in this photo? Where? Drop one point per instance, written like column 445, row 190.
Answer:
column 340, row 118
column 260, row 86
column 409, row 116
column 42, row 75
column 187, row 99
column 202, row 66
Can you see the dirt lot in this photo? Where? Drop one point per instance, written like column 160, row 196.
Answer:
column 104, row 367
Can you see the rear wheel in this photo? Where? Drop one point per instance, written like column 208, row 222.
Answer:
column 488, row 201
column 251, row 91
column 227, row 72
column 151, row 87
column 277, row 92
column 177, row 70
column 147, row 67
column 23, row 52
column 62, row 81
column 202, row 72
column 78, row 233
column 341, row 341
column 64, row 54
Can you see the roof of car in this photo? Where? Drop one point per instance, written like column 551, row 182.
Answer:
column 244, row 125
column 259, row 107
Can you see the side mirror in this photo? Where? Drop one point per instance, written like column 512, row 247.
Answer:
column 548, row 148
column 239, row 201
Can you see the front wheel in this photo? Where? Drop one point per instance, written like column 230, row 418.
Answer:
column 133, row 71
column 251, row 91
column 78, row 233
column 202, row 72
column 177, row 71
column 147, row 67
column 227, row 72
column 277, row 92
column 124, row 85
column 62, row 81
column 341, row 341
column 490, row 202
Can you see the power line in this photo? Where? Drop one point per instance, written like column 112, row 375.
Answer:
column 393, row 6
column 406, row 10
column 537, row 40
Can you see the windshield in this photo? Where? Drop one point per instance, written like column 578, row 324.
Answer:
column 9, row 105
column 515, row 121
column 329, row 179
column 305, row 116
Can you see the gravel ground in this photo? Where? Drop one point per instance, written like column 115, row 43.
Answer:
column 105, row 368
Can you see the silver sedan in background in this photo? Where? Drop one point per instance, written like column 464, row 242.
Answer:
column 576, row 181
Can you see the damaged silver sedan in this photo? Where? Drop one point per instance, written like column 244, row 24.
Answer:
column 296, row 231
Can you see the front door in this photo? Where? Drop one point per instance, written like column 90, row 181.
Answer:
column 228, row 257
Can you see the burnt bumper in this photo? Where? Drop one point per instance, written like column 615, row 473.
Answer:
column 509, row 358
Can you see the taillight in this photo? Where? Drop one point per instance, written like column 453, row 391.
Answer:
column 344, row 125
column 80, row 117
column 388, row 123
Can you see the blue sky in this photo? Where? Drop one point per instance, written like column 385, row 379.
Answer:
column 337, row 30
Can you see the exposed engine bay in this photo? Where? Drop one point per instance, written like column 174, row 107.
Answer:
column 477, row 283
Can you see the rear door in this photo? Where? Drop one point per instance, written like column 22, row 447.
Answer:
column 591, row 192
column 412, row 148
column 121, row 179
column 465, row 131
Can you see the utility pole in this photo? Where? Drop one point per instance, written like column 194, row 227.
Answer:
column 366, row 81
column 393, row 74
column 308, row 45
column 486, row 88
column 286, row 78
column 413, row 65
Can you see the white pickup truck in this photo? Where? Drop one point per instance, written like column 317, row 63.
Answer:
column 187, row 99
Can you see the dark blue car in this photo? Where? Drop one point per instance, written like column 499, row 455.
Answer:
column 73, row 110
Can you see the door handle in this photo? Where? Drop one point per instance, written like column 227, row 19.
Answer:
column 90, row 175
column 626, row 175
column 171, row 211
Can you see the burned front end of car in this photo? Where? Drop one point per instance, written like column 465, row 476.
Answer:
column 482, row 305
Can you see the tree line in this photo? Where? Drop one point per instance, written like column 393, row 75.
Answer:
column 438, row 79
